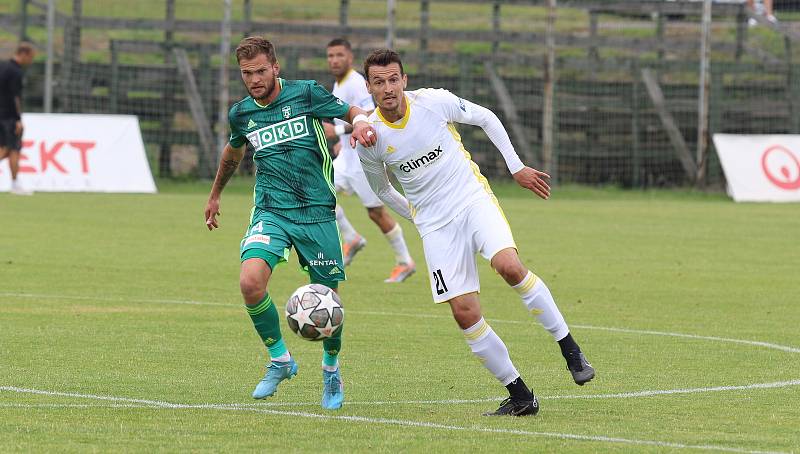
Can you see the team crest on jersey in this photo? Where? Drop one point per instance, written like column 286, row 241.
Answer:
column 279, row 133
column 390, row 149
column 287, row 111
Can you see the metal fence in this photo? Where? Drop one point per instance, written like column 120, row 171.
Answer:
column 596, row 92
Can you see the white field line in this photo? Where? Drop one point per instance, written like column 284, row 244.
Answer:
column 112, row 299
column 393, row 422
column 627, row 395
column 13, row 405
column 784, row 348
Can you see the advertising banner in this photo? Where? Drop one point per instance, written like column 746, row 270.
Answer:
column 760, row 168
column 81, row 153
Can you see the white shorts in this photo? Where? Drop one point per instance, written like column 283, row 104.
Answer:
column 450, row 250
column 351, row 179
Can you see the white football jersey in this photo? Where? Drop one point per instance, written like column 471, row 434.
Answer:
column 352, row 89
column 425, row 153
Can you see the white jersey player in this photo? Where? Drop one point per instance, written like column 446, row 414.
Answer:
column 457, row 214
column 347, row 173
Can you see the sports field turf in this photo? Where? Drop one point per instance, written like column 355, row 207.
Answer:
column 122, row 329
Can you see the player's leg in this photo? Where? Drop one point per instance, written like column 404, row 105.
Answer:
column 353, row 241
column 263, row 247
column 497, row 245
column 450, row 257
column 404, row 264
column 539, row 301
column 10, row 145
column 6, row 138
column 490, row 350
column 320, row 253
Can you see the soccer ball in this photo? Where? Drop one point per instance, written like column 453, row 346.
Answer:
column 314, row 312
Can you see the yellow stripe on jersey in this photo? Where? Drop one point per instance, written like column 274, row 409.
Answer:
column 403, row 121
column 475, row 335
column 344, row 78
column 477, row 171
column 413, row 210
column 327, row 161
column 527, row 284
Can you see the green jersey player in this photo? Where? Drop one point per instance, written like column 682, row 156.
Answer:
column 294, row 198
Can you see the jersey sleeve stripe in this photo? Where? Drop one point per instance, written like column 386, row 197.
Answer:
column 475, row 170
column 327, row 162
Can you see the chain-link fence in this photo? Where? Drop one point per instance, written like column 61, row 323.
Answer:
column 625, row 108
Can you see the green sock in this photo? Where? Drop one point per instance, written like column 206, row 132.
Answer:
column 331, row 348
column 265, row 319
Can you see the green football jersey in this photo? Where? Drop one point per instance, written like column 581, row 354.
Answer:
column 294, row 171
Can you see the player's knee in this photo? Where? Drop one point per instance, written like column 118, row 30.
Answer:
column 375, row 214
column 511, row 271
column 251, row 287
column 466, row 315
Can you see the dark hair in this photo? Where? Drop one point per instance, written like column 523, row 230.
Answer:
column 340, row 42
column 382, row 57
column 252, row 46
column 24, row 48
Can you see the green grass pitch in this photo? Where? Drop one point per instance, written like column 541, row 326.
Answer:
column 122, row 329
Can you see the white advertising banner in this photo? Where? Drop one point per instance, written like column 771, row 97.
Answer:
column 760, row 168
column 76, row 152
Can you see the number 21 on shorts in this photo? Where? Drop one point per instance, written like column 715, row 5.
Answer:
column 438, row 279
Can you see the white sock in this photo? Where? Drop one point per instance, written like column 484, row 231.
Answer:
column 348, row 232
column 491, row 351
column 283, row 358
column 537, row 298
column 333, row 368
column 395, row 238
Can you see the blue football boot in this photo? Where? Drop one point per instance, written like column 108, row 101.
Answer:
column 332, row 390
column 276, row 373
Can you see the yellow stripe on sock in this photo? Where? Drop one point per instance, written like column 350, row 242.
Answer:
column 477, row 333
column 261, row 307
column 527, row 284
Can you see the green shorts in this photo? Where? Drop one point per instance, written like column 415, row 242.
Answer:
column 270, row 237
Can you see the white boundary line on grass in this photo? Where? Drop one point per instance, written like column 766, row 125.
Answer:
column 628, row 395
column 394, row 422
column 784, row 348
column 113, row 299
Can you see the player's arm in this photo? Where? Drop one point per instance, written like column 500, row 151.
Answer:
column 334, row 131
column 325, row 105
column 363, row 132
column 18, row 126
column 463, row 111
column 16, row 91
column 375, row 172
column 231, row 157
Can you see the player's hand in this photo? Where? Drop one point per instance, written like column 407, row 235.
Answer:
column 212, row 211
column 534, row 180
column 364, row 134
column 18, row 129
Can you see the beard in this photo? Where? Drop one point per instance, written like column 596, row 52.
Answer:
column 269, row 87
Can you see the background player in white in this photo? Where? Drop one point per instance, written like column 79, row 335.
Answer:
column 457, row 214
column 348, row 175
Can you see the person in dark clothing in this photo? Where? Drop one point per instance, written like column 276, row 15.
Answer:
column 11, row 73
